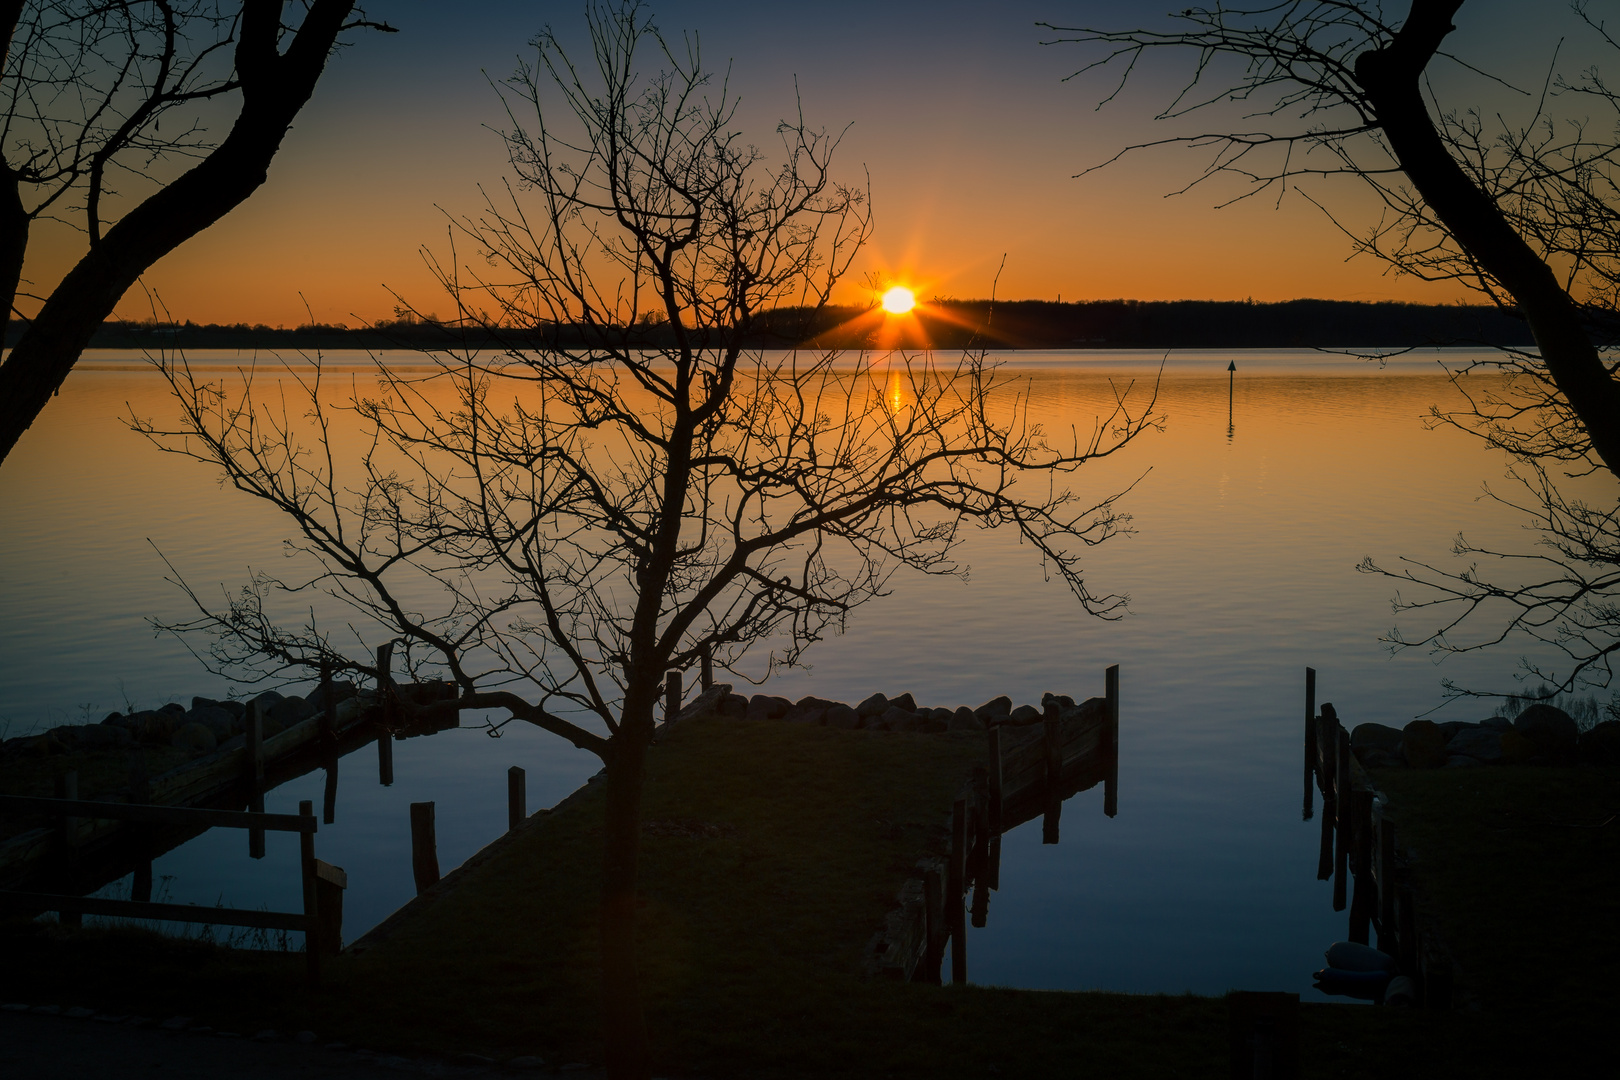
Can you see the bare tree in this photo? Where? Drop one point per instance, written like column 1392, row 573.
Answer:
column 553, row 526
column 1523, row 213
column 86, row 89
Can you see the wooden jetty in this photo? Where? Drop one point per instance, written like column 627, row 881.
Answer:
column 1360, row 853
column 1030, row 770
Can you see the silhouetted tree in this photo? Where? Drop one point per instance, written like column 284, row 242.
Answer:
column 1526, row 215
column 85, row 92
column 553, row 529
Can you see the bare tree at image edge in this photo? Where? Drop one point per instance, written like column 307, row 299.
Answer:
column 597, row 512
column 85, row 90
column 1525, row 215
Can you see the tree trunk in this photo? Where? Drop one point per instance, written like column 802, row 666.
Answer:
column 624, row 1025
column 274, row 87
column 1390, row 77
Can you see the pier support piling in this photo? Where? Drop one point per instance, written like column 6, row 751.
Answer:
column 424, row 847
column 517, row 800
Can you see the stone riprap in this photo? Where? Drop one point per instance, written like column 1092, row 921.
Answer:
column 1540, row 735
column 876, row 713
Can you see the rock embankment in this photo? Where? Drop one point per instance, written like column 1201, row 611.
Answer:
column 1540, row 735
column 209, row 725
column 880, row 712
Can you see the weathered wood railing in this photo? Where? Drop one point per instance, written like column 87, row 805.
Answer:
column 1359, row 852
column 323, row 883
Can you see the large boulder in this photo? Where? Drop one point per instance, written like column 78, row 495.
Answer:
column 151, row 725
column 1551, row 730
column 809, row 710
column 705, row 704
column 342, row 690
column 964, row 719
column 1497, row 723
column 1601, row 745
column 872, row 706
column 1451, row 727
column 733, row 707
column 1516, row 749
column 993, row 710
column 1062, row 701
column 1480, row 743
column 767, row 707
column 842, row 716
column 1024, row 714
column 215, row 719
column 1423, row 745
column 1375, row 737
column 904, row 701
column 174, row 708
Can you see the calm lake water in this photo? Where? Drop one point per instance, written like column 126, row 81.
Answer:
column 1240, row 572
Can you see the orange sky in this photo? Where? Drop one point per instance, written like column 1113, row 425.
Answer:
column 970, row 136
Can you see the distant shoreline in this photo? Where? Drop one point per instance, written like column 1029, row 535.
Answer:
column 943, row 324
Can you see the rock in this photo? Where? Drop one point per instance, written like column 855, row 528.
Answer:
column 526, row 1061
column 113, row 718
column 1480, row 743
column 1401, row 993
column 732, row 707
column 842, row 716
column 266, row 701
column 287, row 712
column 935, row 724
column 872, row 706
column 1091, row 710
column 236, row 708
column 194, row 737
column 1450, row 728
column 897, row 719
column 1024, row 714
column 705, row 704
column 219, row 721
column 1375, row 737
column 151, row 726
column 1516, row 748
column 1462, row 761
column 1380, row 759
column 1422, row 745
column 173, row 707
column 1062, row 701
column 906, row 702
column 304, row 1038
column 1601, row 745
column 1497, row 723
column 1551, row 731
column 808, row 710
column 994, row 708
column 767, row 707
column 342, row 690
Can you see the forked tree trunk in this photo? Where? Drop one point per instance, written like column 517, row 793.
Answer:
column 624, row 1025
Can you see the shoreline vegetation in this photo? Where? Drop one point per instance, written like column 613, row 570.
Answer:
column 770, row 853
column 938, row 324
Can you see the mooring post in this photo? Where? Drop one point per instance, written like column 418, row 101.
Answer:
column 312, row 901
column 385, row 696
column 955, row 887
column 672, row 696
column 517, row 800
column 1111, row 782
column 1052, row 742
column 1310, row 740
column 424, row 846
column 934, row 927
column 994, row 769
column 706, row 670
column 329, row 794
column 253, row 767
column 330, row 882
column 140, row 791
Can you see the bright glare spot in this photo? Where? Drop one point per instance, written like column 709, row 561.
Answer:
column 898, row 300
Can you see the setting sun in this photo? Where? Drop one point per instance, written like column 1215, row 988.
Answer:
column 898, row 300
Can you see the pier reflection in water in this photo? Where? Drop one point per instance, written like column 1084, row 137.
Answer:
column 1031, row 771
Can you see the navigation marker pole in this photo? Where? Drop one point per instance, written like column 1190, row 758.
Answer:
column 1231, row 375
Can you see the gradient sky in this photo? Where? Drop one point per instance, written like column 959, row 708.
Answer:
column 959, row 113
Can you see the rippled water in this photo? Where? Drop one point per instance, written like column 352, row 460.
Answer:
column 1240, row 572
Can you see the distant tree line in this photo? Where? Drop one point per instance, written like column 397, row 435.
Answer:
column 942, row 324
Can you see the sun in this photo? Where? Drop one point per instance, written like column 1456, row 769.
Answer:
column 899, row 300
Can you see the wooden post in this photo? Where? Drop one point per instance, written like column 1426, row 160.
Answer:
column 329, row 795
column 517, row 802
column 328, row 704
column 1364, row 898
column 312, row 902
column 672, row 696
column 1344, row 804
column 1386, row 880
column 979, row 851
column 992, row 862
column 330, row 881
column 424, row 846
column 140, row 791
column 994, row 770
column 67, row 835
column 385, row 695
column 253, row 768
column 1111, row 781
column 706, row 670
column 1310, row 740
column 1051, row 737
column 1324, row 858
column 954, row 889
column 933, row 924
